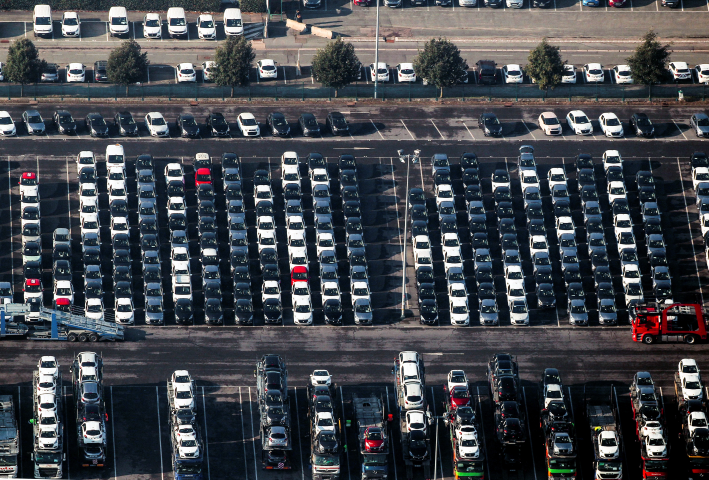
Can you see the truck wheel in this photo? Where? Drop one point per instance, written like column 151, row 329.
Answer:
column 83, row 337
column 648, row 339
column 72, row 337
column 689, row 339
column 93, row 337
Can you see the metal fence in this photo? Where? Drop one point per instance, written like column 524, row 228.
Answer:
column 306, row 90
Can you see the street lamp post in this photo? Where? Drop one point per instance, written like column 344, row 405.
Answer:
column 376, row 54
column 408, row 159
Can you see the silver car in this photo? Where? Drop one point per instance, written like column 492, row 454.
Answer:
column 362, row 312
column 277, row 437
column 34, row 122
column 700, row 124
column 578, row 315
column 607, row 313
column 489, row 314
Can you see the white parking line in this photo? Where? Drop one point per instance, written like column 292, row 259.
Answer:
column 689, row 227
column 439, row 132
column 440, row 461
column 482, row 426
column 253, row 437
column 471, row 133
column 530, row 132
column 113, row 434
column 206, row 435
column 680, row 130
column 529, row 430
column 157, row 396
column 19, row 430
column 302, row 473
column 407, row 129
column 66, row 435
column 243, row 438
column 375, row 127
column 9, row 208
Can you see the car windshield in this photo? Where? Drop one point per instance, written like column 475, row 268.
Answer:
column 519, row 308
column 612, row 122
column 581, row 119
column 248, row 122
column 703, row 122
column 177, row 22
column 97, row 121
column 491, row 121
column 693, row 385
column 206, row 24
column 578, row 308
column 127, row 120
column 34, row 119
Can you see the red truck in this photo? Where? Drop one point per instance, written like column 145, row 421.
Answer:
column 678, row 322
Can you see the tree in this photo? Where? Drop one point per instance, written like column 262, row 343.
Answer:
column 648, row 63
column 233, row 63
column 440, row 64
column 336, row 65
column 545, row 65
column 127, row 64
column 23, row 64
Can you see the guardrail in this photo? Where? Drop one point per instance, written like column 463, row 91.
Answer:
column 306, row 90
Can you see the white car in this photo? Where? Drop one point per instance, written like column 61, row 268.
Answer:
column 569, row 75
column 416, row 420
column 579, row 123
column 267, row 69
column 183, row 395
column 692, row 388
column 457, row 378
column 634, row 293
column 360, row 290
column 152, row 26
column 422, row 246
column 552, row 393
column 538, row 243
column 467, row 441
column 459, row 312
column 266, row 239
column 301, row 292
column 704, row 224
column 265, row 225
column 116, row 177
column 450, row 241
column 248, row 126
column 557, row 176
column 180, row 258
column 124, row 311
column 444, row 193
column 622, row 223
column 206, row 28
column 175, row 205
column 90, row 224
column 699, row 175
column 71, row 25
column 405, row 73
column 330, row 291
column 119, row 225
column 512, row 73
column 612, row 158
column 519, row 312
column 233, row 22
column 87, row 206
column 549, row 123
column 622, row 74
column 7, row 125
column 381, row 72
column 75, row 73
column 611, row 126
column 289, row 159
column 457, row 290
column 93, row 308
column 565, row 225
column 702, row 72
column 46, row 385
column 157, row 126
column 593, row 73
column 608, row 444
column 48, row 365
column 321, row 377
column 655, row 445
column 319, row 176
column 64, row 289
column 528, row 178
column 696, row 420
column 302, row 312
column 174, row 171
column 208, row 70
column 47, row 403
column 324, row 422
column 680, row 71
column 271, row 289
column 88, row 190
column 630, row 274
column 185, row 72
column 290, row 174
column 687, row 367
column 616, row 191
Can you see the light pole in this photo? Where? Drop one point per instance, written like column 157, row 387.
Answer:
column 404, row 158
column 376, row 54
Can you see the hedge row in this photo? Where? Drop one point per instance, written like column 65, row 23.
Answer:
column 105, row 5
column 259, row 6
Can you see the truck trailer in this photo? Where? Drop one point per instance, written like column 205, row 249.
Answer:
column 185, row 440
column 653, row 322
column 605, row 433
column 373, row 437
column 9, row 437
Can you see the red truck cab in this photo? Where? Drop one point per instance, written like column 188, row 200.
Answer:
column 678, row 322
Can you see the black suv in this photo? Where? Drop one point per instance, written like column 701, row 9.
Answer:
column 187, row 125
column 64, row 122
column 486, row 70
column 337, row 124
column 100, row 71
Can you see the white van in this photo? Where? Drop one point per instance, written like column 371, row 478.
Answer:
column 42, row 21
column 115, row 156
column 118, row 21
column 233, row 25
column 176, row 22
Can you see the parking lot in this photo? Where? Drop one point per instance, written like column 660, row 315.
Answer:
column 382, row 189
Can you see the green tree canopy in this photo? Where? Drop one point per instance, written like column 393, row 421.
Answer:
column 440, row 63
column 127, row 64
column 233, row 59
column 545, row 65
column 649, row 62
column 336, row 65
column 23, row 64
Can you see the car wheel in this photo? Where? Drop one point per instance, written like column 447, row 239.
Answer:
column 690, row 339
column 648, row 339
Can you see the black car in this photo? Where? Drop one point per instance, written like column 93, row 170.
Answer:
column 468, row 160
column 217, row 124
column 417, row 197
column 187, row 126
column 424, row 274
column 32, row 269
column 125, row 124
column 273, row 310
column 584, row 160
column 418, row 445
column 96, row 125
column 101, row 71
column 183, row 311
column 351, row 208
column 144, row 162
column 62, row 270
column 699, row 159
column 61, row 252
column 473, row 193
column 642, row 125
column 426, row 291
column 64, row 122
column 120, row 240
column 490, row 125
column 205, row 192
column 429, row 312
column 213, row 313
column 418, row 212
column 471, row 176
column 347, row 162
column 119, row 208
column 175, row 188
column 332, row 310
column 337, row 124
column 244, row 311
column 348, row 177
column 419, row 227
column 278, row 124
column 92, row 256
column 308, row 125
column 545, row 295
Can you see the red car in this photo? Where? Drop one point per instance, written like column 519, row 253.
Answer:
column 364, row 3
column 29, row 179
column 202, row 176
column 63, row 305
column 459, row 396
column 374, row 439
column 616, row 3
column 299, row 274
